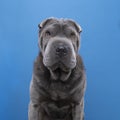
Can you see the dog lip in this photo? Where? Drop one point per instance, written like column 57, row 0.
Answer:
column 61, row 69
column 60, row 64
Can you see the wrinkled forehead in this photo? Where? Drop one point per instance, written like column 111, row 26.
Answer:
column 62, row 23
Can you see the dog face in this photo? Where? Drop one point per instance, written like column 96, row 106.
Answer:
column 59, row 43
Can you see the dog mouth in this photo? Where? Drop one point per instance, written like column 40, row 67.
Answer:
column 59, row 67
column 60, row 72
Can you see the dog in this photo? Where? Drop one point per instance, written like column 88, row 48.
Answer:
column 58, row 81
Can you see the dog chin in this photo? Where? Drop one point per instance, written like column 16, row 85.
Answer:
column 60, row 74
column 59, row 71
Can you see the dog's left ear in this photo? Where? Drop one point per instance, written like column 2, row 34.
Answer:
column 77, row 26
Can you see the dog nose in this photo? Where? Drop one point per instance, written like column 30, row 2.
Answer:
column 61, row 50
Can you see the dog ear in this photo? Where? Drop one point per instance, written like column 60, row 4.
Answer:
column 77, row 26
column 43, row 23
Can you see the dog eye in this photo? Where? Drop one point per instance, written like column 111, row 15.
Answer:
column 47, row 33
column 72, row 34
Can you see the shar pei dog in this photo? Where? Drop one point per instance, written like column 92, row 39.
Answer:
column 58, row 81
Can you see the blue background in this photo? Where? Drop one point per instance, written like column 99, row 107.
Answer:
column 100, row 50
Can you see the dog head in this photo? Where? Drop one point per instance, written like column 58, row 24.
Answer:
column 59, row 44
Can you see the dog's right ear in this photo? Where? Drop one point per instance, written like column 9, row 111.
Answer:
column 43, row 23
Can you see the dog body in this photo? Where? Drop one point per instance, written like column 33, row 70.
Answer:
column 58, row 82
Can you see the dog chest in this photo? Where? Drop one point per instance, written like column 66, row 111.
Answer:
column 58, row 90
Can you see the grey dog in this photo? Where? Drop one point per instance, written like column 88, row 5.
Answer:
column 58, row 82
